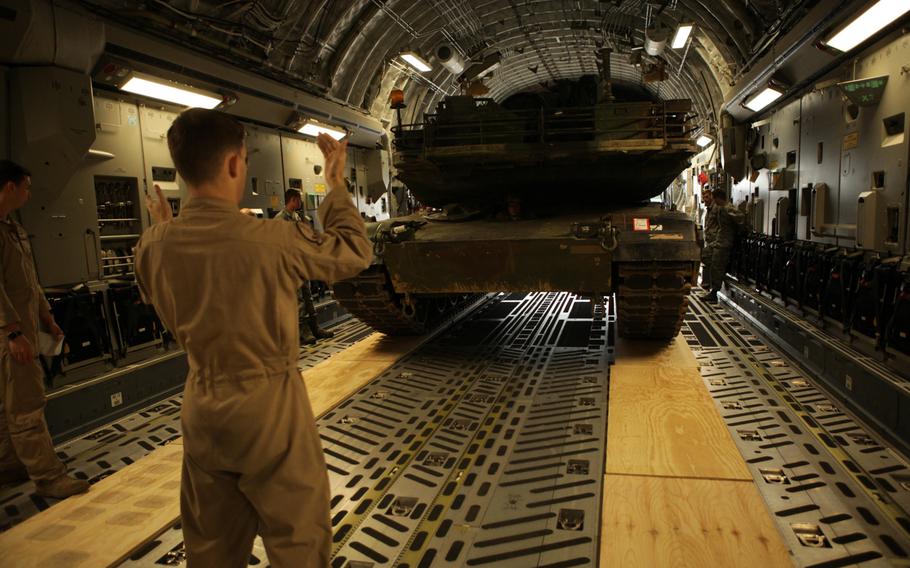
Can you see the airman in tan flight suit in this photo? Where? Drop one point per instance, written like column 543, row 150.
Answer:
column 225, row 285
column 26, row 449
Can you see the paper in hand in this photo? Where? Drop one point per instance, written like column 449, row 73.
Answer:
column 48, row 345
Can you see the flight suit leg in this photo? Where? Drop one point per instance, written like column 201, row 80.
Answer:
column 219, row 524
column 8, row 459
column 24, row 437
column 252, row 456
column 720, row 259
column 291, row 494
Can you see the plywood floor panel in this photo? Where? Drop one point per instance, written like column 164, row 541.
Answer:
column 668, row 522
column 636, row 352
column 662, row 421
column 101, row 526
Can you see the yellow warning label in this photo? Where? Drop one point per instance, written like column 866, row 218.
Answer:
column 319, row 187
column 851, row 140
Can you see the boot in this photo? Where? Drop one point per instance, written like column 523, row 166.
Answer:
column 710, row 296
column 15, row 475
column 306, row 336
column 61, row 487
column 318, row 332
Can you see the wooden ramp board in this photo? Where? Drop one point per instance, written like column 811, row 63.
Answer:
column 665, row 521
column 675, row 353
column 124, row 511
column 677, row 491
column 104, row 525
column 662, row 421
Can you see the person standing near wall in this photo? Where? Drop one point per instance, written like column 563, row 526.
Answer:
column 309, row 330
column 721, row 227
column 26, row 449
column 707, row 200
column 226, row 284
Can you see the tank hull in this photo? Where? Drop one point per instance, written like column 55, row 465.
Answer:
column 644, row 255
column 572, row 253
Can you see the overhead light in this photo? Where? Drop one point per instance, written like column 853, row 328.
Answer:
column 763, row 98
column 682, row 35
column 313, row 128
column 864, row 26
column 703, row 141
column 168, row 91
column 415, row 61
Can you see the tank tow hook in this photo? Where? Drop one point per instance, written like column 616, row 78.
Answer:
column 396, row 232
column 605, row 231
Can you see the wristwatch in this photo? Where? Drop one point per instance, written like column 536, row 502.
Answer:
column 14, row 335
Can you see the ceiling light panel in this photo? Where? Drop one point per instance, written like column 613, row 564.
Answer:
column 876, row 17
column 415, row 61
column 162, row 90
column 763, row 98
column 314, row 129
column 682, row 35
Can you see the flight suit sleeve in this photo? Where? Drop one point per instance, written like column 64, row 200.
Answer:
column 8, row 313
column 138, row 264
column 341, row 251
column 45, row 306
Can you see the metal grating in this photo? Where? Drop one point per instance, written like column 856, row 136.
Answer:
column 493, row 451
column 838, row 495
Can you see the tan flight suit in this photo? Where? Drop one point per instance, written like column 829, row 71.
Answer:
column 24, row 439
column 225, row 285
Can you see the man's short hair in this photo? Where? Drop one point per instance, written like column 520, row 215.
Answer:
column 198, row 140
column 12, row 172
column 291, row 194
column 719, row 194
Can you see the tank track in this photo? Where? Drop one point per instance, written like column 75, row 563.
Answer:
column 652, row 298
column 370, row 298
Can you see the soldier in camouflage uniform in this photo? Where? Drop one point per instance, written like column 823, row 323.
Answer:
column 708, row 200
column 721, row 227
column 310, row 331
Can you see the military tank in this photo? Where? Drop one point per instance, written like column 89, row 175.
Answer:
column 536, row 194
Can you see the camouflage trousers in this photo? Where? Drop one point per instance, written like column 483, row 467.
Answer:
column 706, row 253
column 720, row 260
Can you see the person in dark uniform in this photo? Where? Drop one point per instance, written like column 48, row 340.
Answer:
column 310, row 332
column 721, row 227
column 707, row 200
